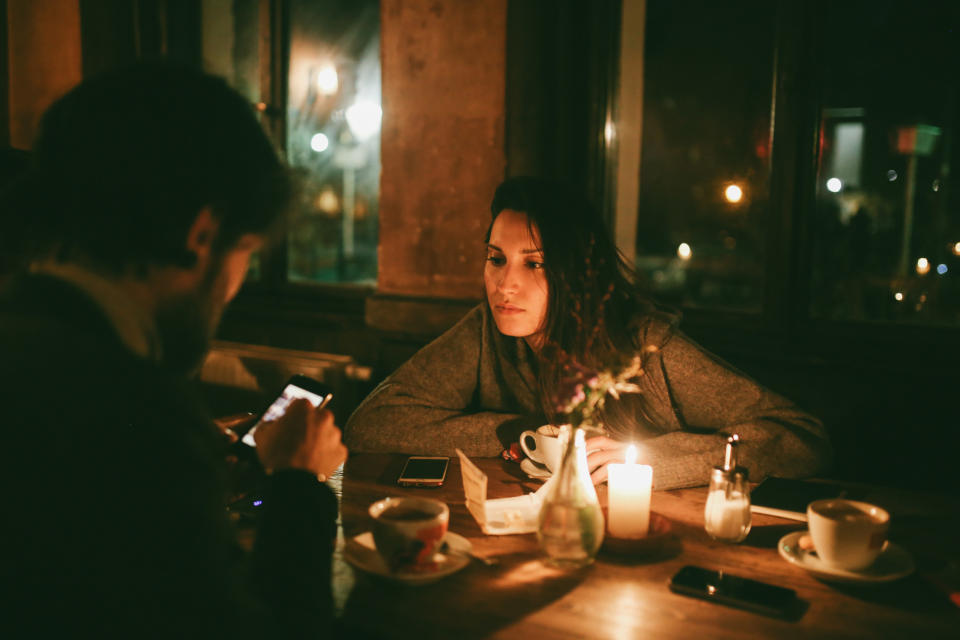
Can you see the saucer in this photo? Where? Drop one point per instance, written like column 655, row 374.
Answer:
column 653, row 543
column 361, row 552
column 893, row 563
column 535, row 469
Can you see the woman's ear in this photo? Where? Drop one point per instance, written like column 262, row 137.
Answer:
column 202, row 233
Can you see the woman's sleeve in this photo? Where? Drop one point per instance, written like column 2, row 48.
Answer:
column 428, row 405
column 708, row 400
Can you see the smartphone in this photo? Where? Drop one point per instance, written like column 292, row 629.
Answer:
column 296, row 387
column 424, row 471
column 734, row 591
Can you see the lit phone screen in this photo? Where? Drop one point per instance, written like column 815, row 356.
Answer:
column 279, row 407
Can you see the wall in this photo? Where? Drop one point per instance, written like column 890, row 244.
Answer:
column 43, row 38
column 442, row 155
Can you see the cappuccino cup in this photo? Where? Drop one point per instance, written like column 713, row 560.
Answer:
column 847, row 534
column 545, row 447
column 408, row 531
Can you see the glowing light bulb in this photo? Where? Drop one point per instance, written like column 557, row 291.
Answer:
column 898, row 296
column 834, row 185
column 609, row 131
column 319, row 142
column 327, row 80
column 923, row 266
column 684, row 252
column 956, row 249
column 733, row 193
column 364, row 117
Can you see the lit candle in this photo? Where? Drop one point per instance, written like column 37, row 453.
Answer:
column 629, row 487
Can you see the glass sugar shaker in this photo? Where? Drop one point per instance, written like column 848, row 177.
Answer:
column 727, row 514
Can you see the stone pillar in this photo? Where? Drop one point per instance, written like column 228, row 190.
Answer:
column 43, row 39
column 444, row 66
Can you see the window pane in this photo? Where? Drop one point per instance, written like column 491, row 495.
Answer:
column 231, row 33
column 704, row 175
column 886, row 226
column 231, row 44
column 333, row 138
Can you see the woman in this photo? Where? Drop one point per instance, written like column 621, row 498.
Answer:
column 557, row 291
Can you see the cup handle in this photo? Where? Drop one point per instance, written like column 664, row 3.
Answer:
column 533, row 454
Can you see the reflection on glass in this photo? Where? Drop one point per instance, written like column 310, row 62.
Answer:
column 333, row 139
column 705, row 152
column 885, row 219
column 231, row 43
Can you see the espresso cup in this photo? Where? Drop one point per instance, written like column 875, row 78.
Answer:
column 847, row 534
column 546, row 445
column 408, row 531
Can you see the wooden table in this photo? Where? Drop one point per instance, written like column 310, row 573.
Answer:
column 619, row 597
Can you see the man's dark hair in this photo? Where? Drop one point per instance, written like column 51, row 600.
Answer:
column 124, row 162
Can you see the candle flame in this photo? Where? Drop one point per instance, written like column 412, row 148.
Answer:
column 631, row 454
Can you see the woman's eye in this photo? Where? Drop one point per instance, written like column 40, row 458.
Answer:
column 496, row 260
column 534, row 265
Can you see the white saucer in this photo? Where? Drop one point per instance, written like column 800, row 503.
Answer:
column 361, row 552
column 535, row 469
column 893, row 563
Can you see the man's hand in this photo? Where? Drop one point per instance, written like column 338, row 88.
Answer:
column 302, row 438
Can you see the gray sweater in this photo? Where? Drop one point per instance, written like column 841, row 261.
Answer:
column 476, row 389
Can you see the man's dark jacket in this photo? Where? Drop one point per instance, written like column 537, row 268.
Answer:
column 113, row 484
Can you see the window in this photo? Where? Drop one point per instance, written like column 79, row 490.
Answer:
column 866, row 222
column 313, row 70
column 886, row 229
column 704, row 178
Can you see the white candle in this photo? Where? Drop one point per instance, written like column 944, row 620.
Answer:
column 629, row 497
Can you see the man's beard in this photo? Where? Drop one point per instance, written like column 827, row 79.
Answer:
column 186, row 323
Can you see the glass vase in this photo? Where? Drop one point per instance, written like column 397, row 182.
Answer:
column 571, row 524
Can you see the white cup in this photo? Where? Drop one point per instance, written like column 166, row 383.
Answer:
column 846, row 533
column 546, row 445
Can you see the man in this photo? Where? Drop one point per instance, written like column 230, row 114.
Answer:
column 148, row 191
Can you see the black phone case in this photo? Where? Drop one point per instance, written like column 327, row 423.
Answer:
column 785, row 599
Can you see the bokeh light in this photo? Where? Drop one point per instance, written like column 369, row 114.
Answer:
column 363, row 117
column 733, row 193
column 319, row 142
column 327, row 80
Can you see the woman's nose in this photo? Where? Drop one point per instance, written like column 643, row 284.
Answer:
column 509, row 283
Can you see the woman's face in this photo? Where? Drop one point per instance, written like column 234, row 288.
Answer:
column 514, row 278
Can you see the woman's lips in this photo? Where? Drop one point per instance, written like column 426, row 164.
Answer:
column 508, row 309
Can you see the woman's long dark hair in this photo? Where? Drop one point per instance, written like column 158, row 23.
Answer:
column 593, row 299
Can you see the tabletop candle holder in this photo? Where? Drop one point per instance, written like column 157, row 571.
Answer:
column 727, row 513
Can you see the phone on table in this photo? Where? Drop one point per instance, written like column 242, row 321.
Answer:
column 296, row 387
column 424, row 471
column 735, row 591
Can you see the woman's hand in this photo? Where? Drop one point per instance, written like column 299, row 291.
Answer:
column 304, row 437
column 601, row 452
